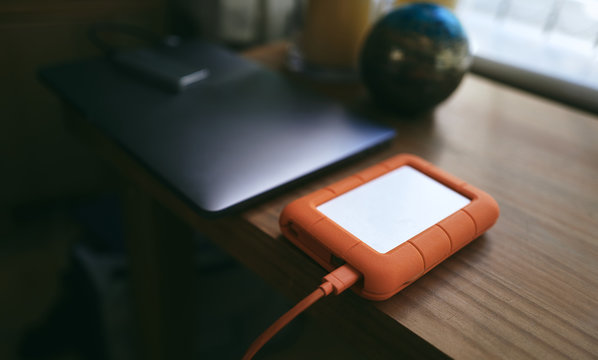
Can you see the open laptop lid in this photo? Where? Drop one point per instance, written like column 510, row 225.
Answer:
column 237, row 134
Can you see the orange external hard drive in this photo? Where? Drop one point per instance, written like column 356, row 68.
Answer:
column 392, row 222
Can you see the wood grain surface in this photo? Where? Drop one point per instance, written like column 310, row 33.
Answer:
column 528, row 288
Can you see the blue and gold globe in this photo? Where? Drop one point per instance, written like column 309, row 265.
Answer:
column 415, row 57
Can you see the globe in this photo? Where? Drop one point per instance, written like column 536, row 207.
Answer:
column 414, row 57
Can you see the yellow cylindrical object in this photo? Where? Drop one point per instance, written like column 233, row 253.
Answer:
column 334, row 31
column 446, row 3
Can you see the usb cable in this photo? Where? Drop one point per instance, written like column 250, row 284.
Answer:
column 335, row 283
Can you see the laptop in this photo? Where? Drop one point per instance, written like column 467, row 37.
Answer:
column 229, row 139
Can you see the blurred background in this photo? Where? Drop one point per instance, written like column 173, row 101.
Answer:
column 63, row 288
column 63, row 275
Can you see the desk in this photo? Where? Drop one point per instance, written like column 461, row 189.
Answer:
column 527, row 288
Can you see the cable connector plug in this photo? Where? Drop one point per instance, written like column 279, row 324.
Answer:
column 341, row 279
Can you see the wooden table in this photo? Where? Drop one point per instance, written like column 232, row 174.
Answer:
column 527, row 288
